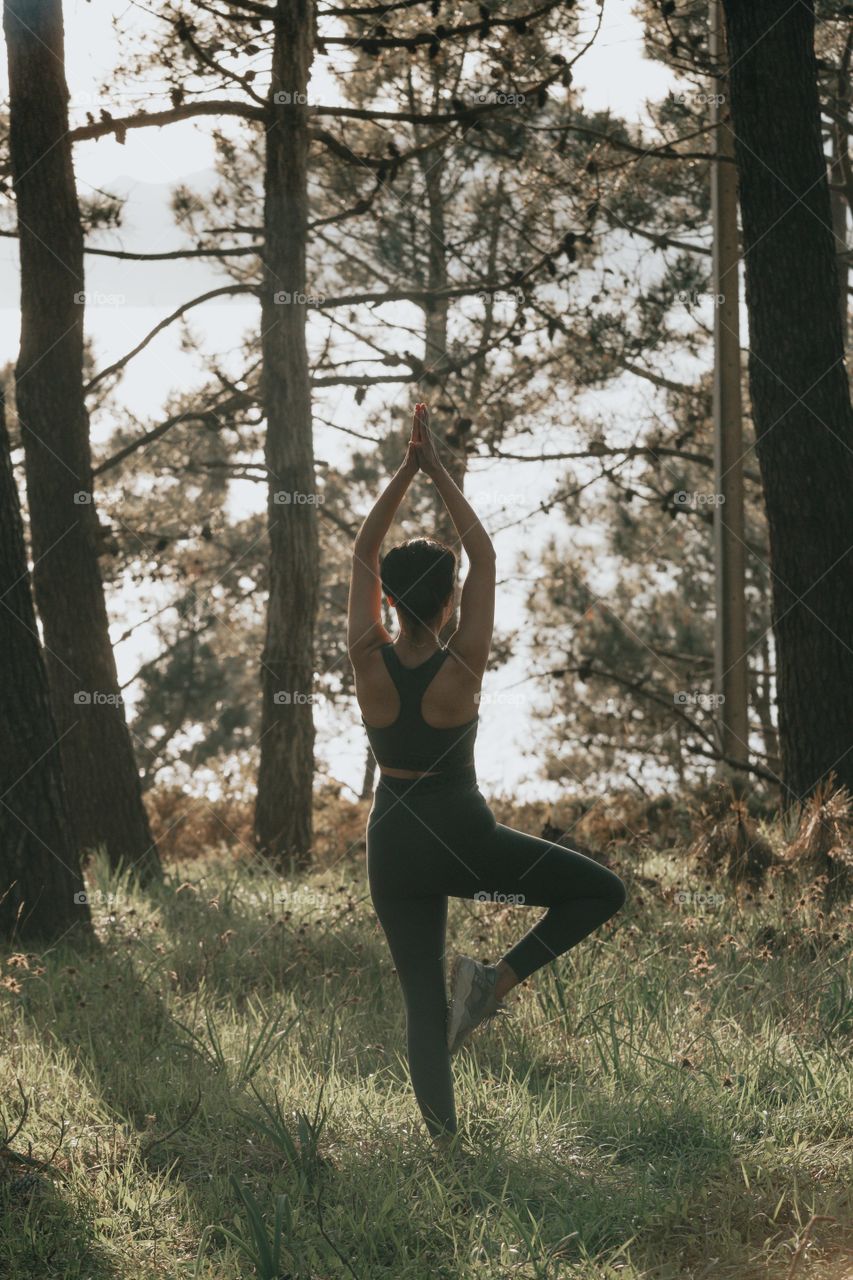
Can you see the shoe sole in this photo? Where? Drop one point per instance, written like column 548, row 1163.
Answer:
column 460, row 991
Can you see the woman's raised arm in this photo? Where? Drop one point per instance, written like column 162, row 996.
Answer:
column 364, row 610
column 472, row 639
column 477, row 543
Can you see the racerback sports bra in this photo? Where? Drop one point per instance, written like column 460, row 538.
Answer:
column 409, row 742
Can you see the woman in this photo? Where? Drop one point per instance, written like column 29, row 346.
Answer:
column 430, row 832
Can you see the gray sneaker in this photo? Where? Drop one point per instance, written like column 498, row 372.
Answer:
column 472, row 999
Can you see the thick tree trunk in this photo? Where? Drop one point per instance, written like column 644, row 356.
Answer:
column 283, row 813
column 41, row 889
column 800, row 395
column 102, row 783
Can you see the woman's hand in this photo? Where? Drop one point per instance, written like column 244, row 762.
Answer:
column 429, row 461
column 411, row 462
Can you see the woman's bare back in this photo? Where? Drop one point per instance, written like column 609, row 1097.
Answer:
column 450, row 698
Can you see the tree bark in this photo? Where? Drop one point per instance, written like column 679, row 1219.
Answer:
column 798, row 383
column 437, row 361
column 369, row 775
column 436, row 312
column 102, row 783
column 283, row 812
column 762, row 701
column 41, row 888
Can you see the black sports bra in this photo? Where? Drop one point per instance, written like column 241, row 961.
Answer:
column 409, row 742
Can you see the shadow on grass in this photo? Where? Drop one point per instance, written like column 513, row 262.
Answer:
column 43, row 1235
column 183, row 1109
column 627, row 1169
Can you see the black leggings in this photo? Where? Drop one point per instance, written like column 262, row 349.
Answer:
column 431, row 837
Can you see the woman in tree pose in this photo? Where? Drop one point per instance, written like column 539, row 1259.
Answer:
column 430, row 832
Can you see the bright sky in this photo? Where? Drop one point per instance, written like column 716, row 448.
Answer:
column 128, row 299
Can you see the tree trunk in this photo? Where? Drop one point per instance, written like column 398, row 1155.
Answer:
column 762, row 701
column 437, row 362
column 436, row 359
column 798, row 384
column 41, row 889
column 101, row 779
column 283, row 813
column 369, row 775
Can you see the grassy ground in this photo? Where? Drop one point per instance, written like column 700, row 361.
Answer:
column 224, row 1071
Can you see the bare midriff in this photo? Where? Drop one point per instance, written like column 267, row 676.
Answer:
column 406, row 773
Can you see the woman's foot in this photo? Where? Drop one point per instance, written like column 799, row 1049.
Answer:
column 473, row 999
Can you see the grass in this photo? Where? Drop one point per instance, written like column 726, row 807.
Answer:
column 217, row 1089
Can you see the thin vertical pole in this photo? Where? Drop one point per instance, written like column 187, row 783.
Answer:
column 730, row 668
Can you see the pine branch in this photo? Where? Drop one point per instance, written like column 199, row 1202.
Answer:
column 637, row 686
column 117, row 365
column 661, row 150
column 370, row 42
column 119, row 125
column 369, row 11
column 236, row 251
column 208, row 416
column 652, row 452
column 658, row 238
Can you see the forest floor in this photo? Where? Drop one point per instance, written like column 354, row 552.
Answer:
column 222, row 1075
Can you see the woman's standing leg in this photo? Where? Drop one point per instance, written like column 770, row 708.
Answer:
column 415, row 929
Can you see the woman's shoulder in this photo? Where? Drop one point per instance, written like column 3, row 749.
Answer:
column 461, row 666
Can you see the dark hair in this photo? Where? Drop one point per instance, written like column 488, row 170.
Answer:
column 419, row 575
